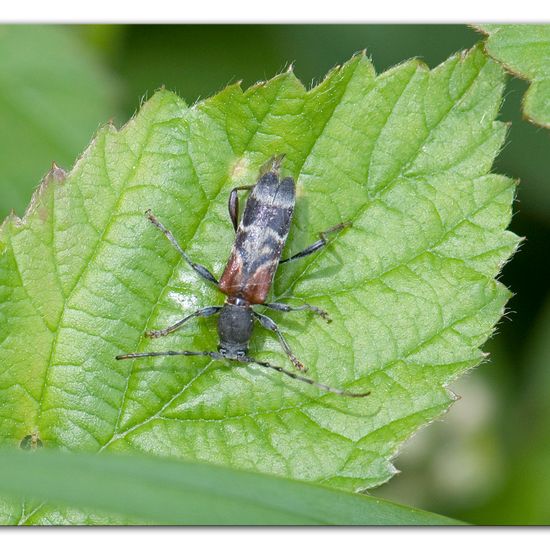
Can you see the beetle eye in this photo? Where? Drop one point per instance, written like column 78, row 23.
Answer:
column 223, row 351
column 240, row 354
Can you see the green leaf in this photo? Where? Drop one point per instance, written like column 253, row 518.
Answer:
column 525, row 51
column 154, row 490
column 410, row 286
column 53, row 96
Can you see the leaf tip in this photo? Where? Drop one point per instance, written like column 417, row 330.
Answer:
column 421, row 65
column 479, row 28
column 393, row 470
column 111, row 124
column 11, row 219
column 56, row 173
column 454, row 397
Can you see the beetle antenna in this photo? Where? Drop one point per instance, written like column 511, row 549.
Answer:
column 272, row 165
column 218, row 356
column 211, row 354
column 304, row 378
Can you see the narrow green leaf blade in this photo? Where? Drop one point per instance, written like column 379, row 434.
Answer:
column 525, row 51
column 410, row 286
column 162, row 491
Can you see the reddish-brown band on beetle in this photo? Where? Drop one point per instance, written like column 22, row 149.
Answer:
column 260, row 240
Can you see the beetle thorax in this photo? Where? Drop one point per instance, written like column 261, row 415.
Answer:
column 235, row 325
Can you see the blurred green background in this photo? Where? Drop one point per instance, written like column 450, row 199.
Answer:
column 488, row 460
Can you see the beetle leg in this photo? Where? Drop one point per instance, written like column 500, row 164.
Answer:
column 233, row 204
column 285, row 307
column 323, row 241
column 204, row 312
column 200, row 269
column 269, row 324
column 296, row 376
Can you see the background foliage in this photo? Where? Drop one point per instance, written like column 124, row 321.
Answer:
column 525, row 51
column 481, row 464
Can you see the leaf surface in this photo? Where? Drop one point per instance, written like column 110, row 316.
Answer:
column 410, row 286
column 525, row 51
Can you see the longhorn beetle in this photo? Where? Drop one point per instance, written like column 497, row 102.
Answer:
column 255, row 256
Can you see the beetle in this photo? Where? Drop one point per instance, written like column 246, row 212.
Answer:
column 255, row 256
